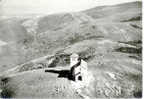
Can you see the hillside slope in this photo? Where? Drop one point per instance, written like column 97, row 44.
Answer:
column 109, row 38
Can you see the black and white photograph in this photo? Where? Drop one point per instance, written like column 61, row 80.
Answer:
column 71, row 49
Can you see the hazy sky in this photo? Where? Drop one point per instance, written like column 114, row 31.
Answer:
column 52, row 6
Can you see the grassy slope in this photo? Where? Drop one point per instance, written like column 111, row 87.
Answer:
column 95, row 35
column 38, row 84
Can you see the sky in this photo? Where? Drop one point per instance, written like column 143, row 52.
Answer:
column 16, row 7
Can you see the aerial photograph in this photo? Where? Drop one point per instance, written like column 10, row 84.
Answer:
column 70, row 49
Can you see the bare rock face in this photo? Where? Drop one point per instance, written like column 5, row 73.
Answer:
column 108, row 38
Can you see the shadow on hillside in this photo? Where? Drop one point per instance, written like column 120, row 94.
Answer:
column 7, row 91
column 61, row 73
